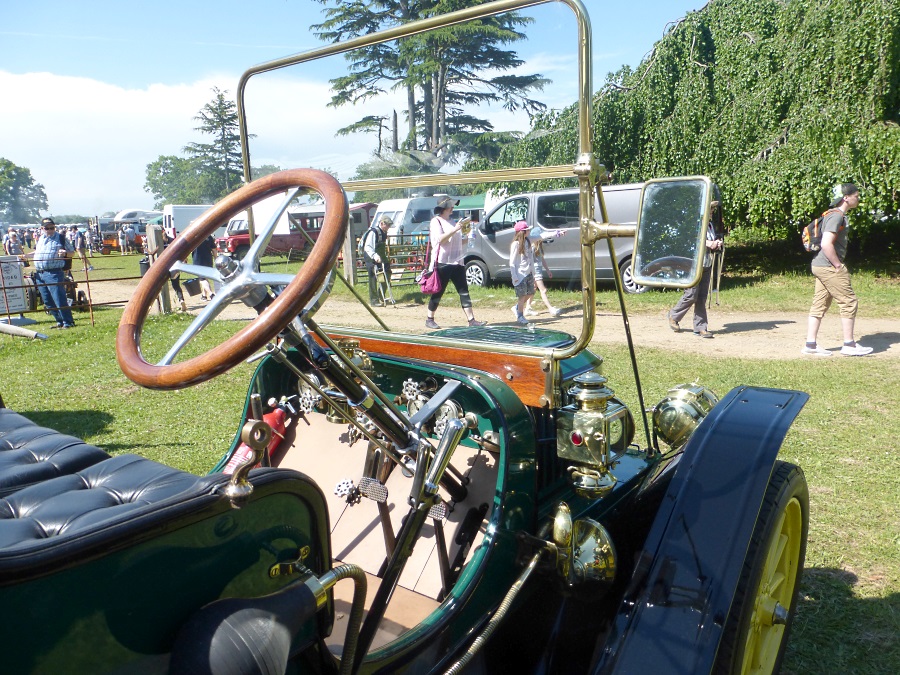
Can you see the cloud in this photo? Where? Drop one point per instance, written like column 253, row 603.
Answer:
column 89, row 143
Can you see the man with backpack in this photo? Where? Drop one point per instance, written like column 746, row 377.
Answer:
column 832, row 277
column 373, row 246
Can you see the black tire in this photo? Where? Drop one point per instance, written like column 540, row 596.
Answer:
column 31, row 293
column 477, row 273
column 240, row 252
column 628, row 280
column 751, row 641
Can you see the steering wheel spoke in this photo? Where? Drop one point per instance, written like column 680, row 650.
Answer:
column 298, row 293
column 201, row 321
column 261, row 242
column 201, row 271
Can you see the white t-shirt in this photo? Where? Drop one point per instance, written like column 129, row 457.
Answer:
column 450, row 252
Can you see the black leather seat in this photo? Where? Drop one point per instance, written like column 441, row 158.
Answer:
column 31, row 454
column 55, row 487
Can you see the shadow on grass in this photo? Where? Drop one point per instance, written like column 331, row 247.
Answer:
column 78, row 423
column 880, row 342
column 836, row 631
column 747, row 326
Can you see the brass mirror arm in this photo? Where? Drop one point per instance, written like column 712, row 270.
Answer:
column 597, row 231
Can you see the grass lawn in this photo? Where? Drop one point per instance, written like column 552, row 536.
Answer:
column 849, row 616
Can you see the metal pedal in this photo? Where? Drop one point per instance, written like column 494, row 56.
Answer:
column 343, row 488
column 373, row 489
column 438, row 511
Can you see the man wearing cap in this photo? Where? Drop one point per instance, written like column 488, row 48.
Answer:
column 832, row 276
column 49, row 262
column 375, row 255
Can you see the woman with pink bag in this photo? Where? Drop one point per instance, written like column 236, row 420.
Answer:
column 447, row 261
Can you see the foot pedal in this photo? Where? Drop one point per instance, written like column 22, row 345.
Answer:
column 373, row 489
column 438, row 511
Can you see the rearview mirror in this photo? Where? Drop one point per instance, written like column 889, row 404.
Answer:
column 670, row 241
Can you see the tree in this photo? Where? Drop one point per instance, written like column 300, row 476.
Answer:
column 179, row 180
column 442, row 72
column 221, row 159
column 264, row 170
column 776, row 101
column 211, row 170
column 21, row 198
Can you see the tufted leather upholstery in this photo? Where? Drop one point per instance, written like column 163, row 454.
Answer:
column 56, row 487
column 30, row 454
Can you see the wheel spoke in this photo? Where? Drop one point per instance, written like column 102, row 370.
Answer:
column 203, row 319
column 773, row 555
column 258, row 247
column 210, row 273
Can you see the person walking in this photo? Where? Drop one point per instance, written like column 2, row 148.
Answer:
column 833, row 278
column 521, row 267
column 79, row 242
column 49, row 263
column 696, row 296
column 375, row 255
column 540, row 266
column 203, row 255
column 123, row 240
column 447, row 257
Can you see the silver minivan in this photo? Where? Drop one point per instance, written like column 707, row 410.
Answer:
column 487, row 254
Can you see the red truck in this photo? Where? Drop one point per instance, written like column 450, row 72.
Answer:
column 304, row 223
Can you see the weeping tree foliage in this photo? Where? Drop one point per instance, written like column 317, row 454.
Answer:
column 776, row 100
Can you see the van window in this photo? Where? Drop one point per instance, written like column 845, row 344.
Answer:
column 507, row 215
column 557, row 211
column 421, row 216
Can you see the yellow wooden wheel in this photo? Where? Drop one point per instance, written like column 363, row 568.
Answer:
column 775, row 594
column 765, row 602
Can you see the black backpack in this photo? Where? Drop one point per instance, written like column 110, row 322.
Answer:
column 361, row 247
column 811, row 235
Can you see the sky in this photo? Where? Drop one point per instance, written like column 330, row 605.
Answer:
column 92, row 92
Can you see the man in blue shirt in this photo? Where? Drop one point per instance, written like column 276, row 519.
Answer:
column 49, row 261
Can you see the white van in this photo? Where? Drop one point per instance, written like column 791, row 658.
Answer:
column 407, row 214
column 178, row 217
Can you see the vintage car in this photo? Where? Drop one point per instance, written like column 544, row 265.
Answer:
column 469, row 500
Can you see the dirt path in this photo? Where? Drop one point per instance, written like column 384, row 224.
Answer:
column 746, row 335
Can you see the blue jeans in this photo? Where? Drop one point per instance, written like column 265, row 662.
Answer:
column 54, row 295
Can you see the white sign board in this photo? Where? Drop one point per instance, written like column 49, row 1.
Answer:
column 12, row 293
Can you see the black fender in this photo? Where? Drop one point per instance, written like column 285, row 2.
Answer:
column 673, row 611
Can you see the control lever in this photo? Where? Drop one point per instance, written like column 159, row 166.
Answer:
column 453, row 433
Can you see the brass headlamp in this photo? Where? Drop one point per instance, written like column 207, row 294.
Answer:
column 591, row 432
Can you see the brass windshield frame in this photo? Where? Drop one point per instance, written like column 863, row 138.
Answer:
column 586, row 169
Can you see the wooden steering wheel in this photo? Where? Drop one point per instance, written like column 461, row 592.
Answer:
column 300, row 289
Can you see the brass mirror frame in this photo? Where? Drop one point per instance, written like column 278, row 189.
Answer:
column 697, row 237
column 586, row 168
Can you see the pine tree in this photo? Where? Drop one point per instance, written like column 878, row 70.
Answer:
column 442, row 73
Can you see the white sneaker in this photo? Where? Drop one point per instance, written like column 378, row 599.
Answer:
column 522, row 320
column 529, row 312
column 554, row 311
column 856, row 350
column 815, row 351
